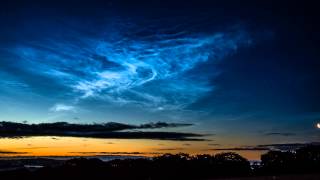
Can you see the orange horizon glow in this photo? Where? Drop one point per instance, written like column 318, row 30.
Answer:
column 74, row 146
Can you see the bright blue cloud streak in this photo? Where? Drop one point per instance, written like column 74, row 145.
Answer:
column 149, row 70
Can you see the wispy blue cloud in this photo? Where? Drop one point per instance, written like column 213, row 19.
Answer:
column 146, row 70
column 62, row 107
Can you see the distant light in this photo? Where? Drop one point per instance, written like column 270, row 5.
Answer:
column 318, row 125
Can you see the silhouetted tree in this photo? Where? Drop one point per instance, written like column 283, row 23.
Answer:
column 231, row 164
column 278, row 162
column 308, row 158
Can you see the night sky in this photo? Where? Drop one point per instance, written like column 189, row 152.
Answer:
column 243, row 73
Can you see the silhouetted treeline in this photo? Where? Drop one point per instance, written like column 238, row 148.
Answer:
column 303, row 160
column 180, row 166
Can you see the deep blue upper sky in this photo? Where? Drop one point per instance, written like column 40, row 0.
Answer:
column 244, row 68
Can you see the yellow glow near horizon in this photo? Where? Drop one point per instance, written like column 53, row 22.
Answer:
column 72, row 146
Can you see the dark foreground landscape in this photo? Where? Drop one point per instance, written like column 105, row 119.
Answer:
column 303, row 163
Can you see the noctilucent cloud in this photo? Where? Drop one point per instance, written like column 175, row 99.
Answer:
column 244, row 72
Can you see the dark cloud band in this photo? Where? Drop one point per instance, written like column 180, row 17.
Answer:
column 108, row 130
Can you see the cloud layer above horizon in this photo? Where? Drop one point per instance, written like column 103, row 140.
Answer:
column 111, row 130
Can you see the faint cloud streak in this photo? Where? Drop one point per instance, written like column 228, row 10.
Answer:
column 62, row 108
